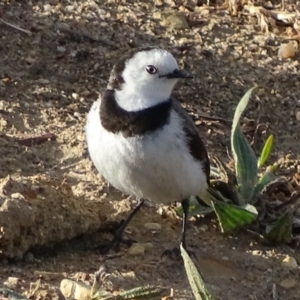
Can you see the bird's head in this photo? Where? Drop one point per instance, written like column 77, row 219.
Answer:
column 145, row 78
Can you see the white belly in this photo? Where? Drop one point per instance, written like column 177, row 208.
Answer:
column 155, row 166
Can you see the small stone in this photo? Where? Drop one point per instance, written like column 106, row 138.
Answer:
column 203, row 228
column 158, row 3
column 102, row 12
column 160, row 210
column 286, row 50
column 298, row 116
column 147, row 246
column 75, row 290
column 61, row 49
column 289, row 263
column 288, row 283
column 75, row 96
column 153, row 226
column 85, row 93
column 137, row 249
column 174, row 20
column 257, row 252
column 63, row 26
column 47, row 7
column 2, row 105
column 43, row 81
column 11, row 282
column 70, row 8
column 17, row 196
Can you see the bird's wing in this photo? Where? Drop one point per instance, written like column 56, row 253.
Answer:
column 195, row 144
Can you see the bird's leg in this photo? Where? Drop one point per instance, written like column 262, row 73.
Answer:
column 185, row 208
column 118, row 235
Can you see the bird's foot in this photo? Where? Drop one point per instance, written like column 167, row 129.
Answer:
column 116, row 241
column 175, row 253
column 118, row 233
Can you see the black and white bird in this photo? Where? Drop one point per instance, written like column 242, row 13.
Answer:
column 141, row 140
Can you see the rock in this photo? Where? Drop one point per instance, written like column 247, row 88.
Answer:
column 137, row 249
column 47, row 8
column 25, row 202
column 289, row 263
column 63, row 26
column 11, row 282
column 173, row 20
column 286, row 50
column 147, row 246
column 203, row 228
column 257, row 252
column 75, row 290
column 288, row 283
column 153, row 226
column 75, row 96
column 298, row 116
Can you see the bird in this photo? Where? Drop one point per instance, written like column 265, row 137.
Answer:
column 140, row 138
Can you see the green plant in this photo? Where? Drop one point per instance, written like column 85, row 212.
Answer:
column 247, row 167
column 249, row 182
column 196, row 281
column 99, row 292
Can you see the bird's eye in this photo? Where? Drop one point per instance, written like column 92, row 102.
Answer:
column 151, row 69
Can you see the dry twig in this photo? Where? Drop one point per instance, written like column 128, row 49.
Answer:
column 16, row 27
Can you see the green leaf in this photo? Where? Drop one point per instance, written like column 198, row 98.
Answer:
column 143, row 292
column 267, row 178
column 196, row 281
column 194, row 209
column 266, row 152
column 244, row 157
column 233, row 217
column 140, row 293
column 281, row 231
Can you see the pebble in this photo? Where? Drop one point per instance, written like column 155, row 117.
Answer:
column 43, row 81
column 75, row 96
column 203, row 228
column 63, row 26
column 153, row 226
column 17, row 196
column 47, row 7
column 136, row 249
column 173, row 20
column 298, row 116
column 2, row 105
column 75, row 290
column 147, row 246
column 86, row 93
column 158, row 3
column 11, row 282
column 286, row 50
column 288, row 283
column 61, row 49
column 257, row 252
column 289, row 262
column 70, row 8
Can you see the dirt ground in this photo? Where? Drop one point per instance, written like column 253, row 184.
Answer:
column 53, row 202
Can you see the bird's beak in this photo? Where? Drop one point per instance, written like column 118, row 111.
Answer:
column 176, row 74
